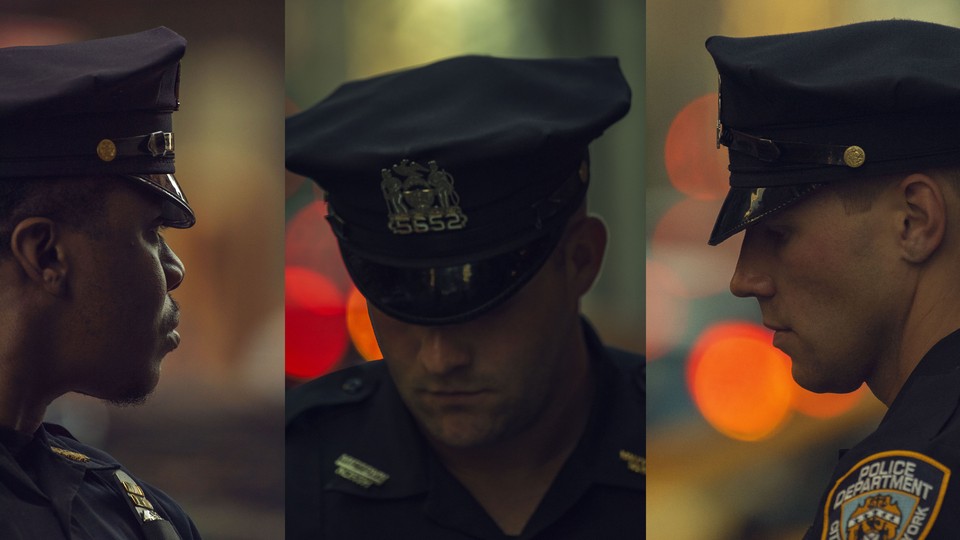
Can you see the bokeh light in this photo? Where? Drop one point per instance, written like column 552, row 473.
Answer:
column 694, row 164
column 316, row 329
column 311, row 244
column 825, row 405
column 740, row 383
column 679, row 241
column 360, row 328
column 667, row 309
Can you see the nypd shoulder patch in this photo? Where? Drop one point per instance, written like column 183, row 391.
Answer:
column 894, row 495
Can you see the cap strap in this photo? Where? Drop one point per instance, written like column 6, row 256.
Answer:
column 792, row 152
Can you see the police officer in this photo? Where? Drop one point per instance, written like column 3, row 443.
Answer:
column 86, row 185
column 845, row 173
column 457, row 192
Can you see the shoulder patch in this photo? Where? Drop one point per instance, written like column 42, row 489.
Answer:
column 893, row 495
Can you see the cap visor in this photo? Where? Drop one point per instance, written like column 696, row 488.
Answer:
column 447, row 294
column 744, row 206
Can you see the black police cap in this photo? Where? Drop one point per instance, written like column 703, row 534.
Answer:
column 449, row 185
column 798, row 111
column 95, row 108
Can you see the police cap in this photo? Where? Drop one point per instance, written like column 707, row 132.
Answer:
column 95, row 108
column 449, row 185
column 799, row 111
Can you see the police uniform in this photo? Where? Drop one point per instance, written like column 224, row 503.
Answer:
column 94, row 109
column 801, row 111
column 907, row 472
column 448, row 186
column 354, row 422
column 54, row 487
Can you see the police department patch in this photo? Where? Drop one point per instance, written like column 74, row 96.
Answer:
column 894, row 495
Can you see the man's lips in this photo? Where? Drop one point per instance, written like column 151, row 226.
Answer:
column 775, row 327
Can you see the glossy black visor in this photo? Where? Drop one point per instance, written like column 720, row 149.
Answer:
column 176, row 210
column 449, row 294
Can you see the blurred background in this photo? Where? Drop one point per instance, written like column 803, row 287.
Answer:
column 736, row 449
column 329, row 42
column 211, row 435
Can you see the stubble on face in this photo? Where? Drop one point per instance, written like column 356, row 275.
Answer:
column 487, row 381
column 837, row 299
column 127, row 316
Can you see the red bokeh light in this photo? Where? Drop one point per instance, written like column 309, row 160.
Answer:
column 315, row 326
column 694, row 164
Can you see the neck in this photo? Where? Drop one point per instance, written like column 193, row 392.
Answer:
column 21, row 408
column 933, row 314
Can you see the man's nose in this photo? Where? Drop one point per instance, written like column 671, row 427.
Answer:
column 752, row 276
column 442, row 352
column 173, row 268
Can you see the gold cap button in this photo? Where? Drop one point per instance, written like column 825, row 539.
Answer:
column 854, row 156
column 106, row 150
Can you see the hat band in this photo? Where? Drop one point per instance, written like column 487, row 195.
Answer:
column 770, row 151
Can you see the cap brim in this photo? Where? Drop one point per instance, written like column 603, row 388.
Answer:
column 450, row 294
column 176, row 210
column 746, row 205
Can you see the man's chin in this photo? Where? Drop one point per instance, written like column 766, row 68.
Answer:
column 463, row 433
column 129, row 395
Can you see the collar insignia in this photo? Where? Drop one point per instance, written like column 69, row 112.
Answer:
column 635, row 463
column 358, row 472
column 420, row 199
column 71, row 455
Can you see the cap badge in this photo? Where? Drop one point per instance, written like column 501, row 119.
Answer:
column 420, row 199
column 359, row 472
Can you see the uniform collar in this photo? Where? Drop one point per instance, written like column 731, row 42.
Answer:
column 931, row 392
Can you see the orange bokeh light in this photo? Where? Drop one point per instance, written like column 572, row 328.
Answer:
column 315, row 328
column 694, row 164
column 360, row 328
column 740, row 383
column 826, row 405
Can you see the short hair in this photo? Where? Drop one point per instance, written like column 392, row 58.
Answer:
column 74, row 201
column 858, row 196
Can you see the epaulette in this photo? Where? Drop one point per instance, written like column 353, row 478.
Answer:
column 351, row 385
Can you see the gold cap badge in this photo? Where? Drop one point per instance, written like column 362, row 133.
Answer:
column 420, row 199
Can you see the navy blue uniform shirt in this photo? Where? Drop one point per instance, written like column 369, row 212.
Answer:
column 52, row 487
column 357, row 412
column 903, row 481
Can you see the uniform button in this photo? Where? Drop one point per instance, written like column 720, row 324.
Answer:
column 352, row 385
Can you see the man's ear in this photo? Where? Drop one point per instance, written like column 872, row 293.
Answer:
column 35, row 244
column 923, row 218
column 585, row 246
